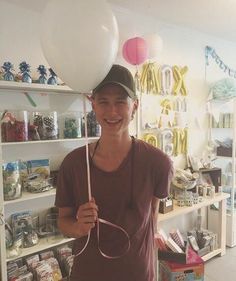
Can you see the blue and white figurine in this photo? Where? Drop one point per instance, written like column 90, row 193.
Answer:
column 52, row 80
column 43, row 74
column 8, row 75
column 25, row 69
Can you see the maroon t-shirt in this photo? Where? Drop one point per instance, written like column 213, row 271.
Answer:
column 124, row 198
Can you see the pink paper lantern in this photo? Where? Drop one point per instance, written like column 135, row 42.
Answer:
column 135, row 50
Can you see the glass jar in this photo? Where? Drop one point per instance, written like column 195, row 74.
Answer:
column 12, row 188
column 14, row 126
column 46, row 124
column 72, row 125
column 53, row 233
column 94, row 128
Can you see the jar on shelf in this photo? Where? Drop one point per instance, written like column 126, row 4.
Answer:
column 47, row 125
column 14, row 126
column 12, row 187
column 72, row 125
column 53, row 233
column 94, row 128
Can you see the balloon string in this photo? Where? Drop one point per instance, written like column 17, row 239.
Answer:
column 90, row 197
column 87, row 163
column 87, row 148
column 115, row 226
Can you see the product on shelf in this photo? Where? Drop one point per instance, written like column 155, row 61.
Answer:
column 18, row 272
column 22, row 224
column 191, row 270
column 47, row 125
column 14, row 126
column 53, row 233
column 35, row 175
column 94, row 129
column 11, row 180
column 72, row 126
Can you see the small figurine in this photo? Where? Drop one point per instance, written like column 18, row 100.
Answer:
column 43, row 74
column 52, row 80
column 25, row 69
column 8, row 75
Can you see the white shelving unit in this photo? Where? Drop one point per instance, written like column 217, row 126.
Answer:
column 47, row 97
column 221, row 130
column 221, row 219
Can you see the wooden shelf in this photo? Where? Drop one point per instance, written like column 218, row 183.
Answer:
column 211, row 254
column 185, row 210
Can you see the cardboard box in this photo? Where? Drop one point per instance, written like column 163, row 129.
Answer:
column 171, row 256
column 224, row 151
column 193, row 270
column 175, row 257
column 166, row 206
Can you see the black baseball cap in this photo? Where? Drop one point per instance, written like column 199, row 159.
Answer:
column 119, row 75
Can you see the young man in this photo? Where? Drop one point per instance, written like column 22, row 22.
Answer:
column 128, row 176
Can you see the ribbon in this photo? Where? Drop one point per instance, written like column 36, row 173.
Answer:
column 99, row 220
column 209, row 51
column 137, row 81
column 29, row 98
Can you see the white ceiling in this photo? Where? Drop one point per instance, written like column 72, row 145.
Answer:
column 216, row 17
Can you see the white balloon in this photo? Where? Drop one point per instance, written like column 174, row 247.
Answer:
column 80, row 41
column 155, row 45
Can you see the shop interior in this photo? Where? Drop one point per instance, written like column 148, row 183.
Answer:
column 182, row 57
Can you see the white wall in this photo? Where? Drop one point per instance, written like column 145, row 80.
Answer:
column 183, row 46
column 19, row 40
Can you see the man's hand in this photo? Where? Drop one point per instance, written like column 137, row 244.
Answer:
column 86, row 217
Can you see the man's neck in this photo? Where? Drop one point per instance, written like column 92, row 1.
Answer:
column 111, row 146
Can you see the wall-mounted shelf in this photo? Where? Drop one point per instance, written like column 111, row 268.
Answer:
column 34, row 87
column 41, row 246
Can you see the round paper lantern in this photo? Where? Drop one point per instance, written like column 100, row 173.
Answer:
column 135, row 50
column 80, row 41
column 155, row 45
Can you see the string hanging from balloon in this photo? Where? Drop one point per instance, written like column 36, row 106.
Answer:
column 135, row 52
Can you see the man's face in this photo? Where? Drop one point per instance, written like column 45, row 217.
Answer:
column 113, row 109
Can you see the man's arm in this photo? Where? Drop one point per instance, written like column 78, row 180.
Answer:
column 155, row 210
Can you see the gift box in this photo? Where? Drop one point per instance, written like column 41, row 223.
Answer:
column 192, row 270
